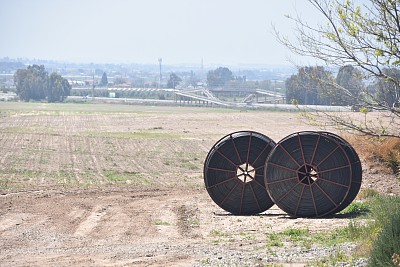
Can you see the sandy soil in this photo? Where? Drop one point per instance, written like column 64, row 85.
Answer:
column 122, row 186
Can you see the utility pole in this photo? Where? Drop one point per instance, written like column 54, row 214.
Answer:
column 159, row 62
column 93, row 86
column 202, row 70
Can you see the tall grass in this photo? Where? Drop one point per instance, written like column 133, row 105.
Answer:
column 387, row 245
column 369, row 231
column 381, row 210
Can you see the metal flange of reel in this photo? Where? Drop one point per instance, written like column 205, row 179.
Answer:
column 355, row 167
column 234, row 172
column 312, row 174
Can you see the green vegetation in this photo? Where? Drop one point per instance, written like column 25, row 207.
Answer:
column 34, row 83
column 274, row 242
column 247, row 235
column 367, row 193
column 333, row 260
column 295, row 234
column 387, row 243
column 5, row 183
column 135, row 135
column 161, row 222
column 99, row 108
column 356, row 207
column 369, row 225
column 371, row 233
column 218, row 236
column 218, row 233
column 66, row 177
column 190, row 166
column 27, row 174
column 135, row 178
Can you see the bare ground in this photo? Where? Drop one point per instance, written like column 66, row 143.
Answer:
column 122, row 186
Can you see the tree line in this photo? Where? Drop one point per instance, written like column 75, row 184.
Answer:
column 35, row 83
column 317, row 86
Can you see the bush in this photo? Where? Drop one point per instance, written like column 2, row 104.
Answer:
column 382, row 208
column 387, row 245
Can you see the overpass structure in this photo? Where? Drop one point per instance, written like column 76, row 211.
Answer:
column 208, row 97
column 201, row 95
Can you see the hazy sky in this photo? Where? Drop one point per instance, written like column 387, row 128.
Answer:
column 140, row 31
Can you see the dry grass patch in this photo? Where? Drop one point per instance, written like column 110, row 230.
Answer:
column 382, row 154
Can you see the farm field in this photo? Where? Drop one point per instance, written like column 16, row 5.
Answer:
column 122, row 185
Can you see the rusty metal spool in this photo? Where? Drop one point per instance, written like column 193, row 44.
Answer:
column 309, row 174
column 355, row 167
column 234, row 172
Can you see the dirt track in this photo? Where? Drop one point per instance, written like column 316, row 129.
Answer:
column 122, row 186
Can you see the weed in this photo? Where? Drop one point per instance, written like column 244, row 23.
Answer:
column 332, row 260
column 356, row 207
column 275, row 243
column 367, row 193
column 190, row 166
column 161, row 222
column 205, row 261
column 296, row 234
column 136, row 178
column 275, row 240
column 5, row 183
column 135, row 135
column 66, row 177
column 218, row 233
column 247, row 236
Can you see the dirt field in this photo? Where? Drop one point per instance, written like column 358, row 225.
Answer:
column 120, row 185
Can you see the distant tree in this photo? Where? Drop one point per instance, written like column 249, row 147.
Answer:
column 104, row 79
column 119, row 80
column 387, row 91
column 58, row 88
column 34, row 83
column 31, row 83
column 219, row 77
column 307, row 87
column 192, row 79
column 173, row 81
column 21, row 81
column 349, row 78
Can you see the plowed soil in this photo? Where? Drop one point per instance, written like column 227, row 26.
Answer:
column 120, row 185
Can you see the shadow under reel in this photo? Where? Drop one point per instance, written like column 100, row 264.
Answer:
column 306, row 174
